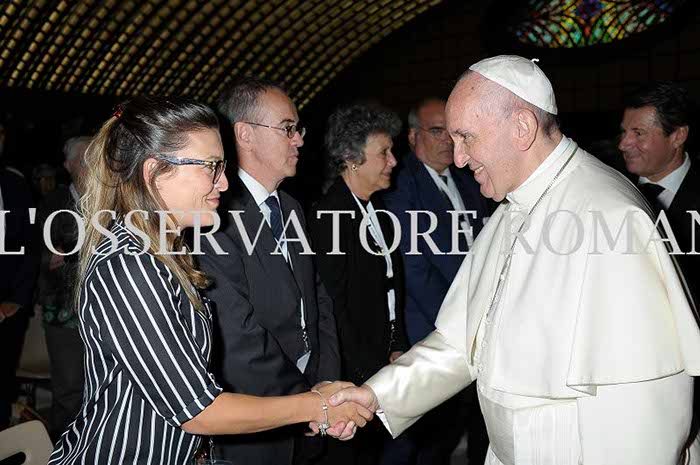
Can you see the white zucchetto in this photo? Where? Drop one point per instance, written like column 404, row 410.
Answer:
column 520, row 76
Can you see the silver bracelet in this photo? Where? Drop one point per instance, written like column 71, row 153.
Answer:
column 323, row 427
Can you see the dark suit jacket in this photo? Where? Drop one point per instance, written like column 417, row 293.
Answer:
column 428, row 275
column 257, row 330
column 357, row 283
column 18, row 273
column 687, row 198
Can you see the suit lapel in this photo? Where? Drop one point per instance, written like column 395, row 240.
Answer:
column 428, row 189
column 687, row 194
column 430, row 196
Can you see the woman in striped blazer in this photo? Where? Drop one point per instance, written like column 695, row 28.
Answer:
column 147, row 331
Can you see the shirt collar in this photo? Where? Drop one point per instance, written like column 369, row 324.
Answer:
column 672, row 181
column 528, row 192
column 257, row 190
column 436, row 176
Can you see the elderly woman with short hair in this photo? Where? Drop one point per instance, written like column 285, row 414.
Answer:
column 366, row 279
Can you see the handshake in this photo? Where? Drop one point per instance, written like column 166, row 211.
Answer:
column 345, row 407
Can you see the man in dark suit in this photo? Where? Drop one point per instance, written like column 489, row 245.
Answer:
column 18, row 272
column 429, row 181
column 655, row 128
column 274, row 328
column 654, row 132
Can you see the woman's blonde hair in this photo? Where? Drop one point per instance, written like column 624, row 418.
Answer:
column 140, row 129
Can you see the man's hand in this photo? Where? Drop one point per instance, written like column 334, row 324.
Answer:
column 344, row 418
column 363, row 395
column 8, row 309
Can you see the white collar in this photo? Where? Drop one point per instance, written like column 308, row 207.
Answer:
column 436, row 176
column 257, row 190
column 530, row 190
column 673, row 180
column 433, row 171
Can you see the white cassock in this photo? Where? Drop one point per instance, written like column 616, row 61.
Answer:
column 587, row 356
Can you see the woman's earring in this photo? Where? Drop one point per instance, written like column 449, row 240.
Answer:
column 353, row 167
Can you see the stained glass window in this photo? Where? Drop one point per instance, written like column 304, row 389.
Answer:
column 581, row 23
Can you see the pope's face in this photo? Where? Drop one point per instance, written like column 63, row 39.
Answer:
column 481, row 139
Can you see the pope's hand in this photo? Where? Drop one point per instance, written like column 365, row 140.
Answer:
column 363, row 395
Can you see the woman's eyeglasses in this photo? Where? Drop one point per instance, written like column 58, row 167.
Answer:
column 217, row 167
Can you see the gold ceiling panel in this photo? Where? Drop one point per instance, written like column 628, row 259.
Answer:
column 128, row 47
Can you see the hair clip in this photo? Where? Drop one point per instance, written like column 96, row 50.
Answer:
column 118, row 112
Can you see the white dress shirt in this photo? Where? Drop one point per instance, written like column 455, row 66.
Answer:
column 455, row 198
column 260, row 194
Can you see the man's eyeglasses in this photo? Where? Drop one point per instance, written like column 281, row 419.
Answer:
column 217, row 167
column 435, row 131
column 291, row 130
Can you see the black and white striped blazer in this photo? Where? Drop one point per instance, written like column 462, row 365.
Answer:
column 146, row 362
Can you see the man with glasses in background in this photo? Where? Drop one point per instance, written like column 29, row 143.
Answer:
column 429, row 181
column 274, row 330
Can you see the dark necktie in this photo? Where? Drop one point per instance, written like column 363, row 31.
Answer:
column 444, row 192
column 652, row 192
column 275, row 216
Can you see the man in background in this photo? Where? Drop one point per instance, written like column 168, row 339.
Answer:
column 274, row 328
column 654, row 134
column 655, row 128
column 429, row 181
column 18, row 272
column 56, row 294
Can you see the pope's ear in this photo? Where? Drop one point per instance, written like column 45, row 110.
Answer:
column 526, row 126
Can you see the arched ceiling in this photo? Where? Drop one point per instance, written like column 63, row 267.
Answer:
column 126, row 47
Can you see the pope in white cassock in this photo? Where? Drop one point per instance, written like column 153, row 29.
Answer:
column 568, row 312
